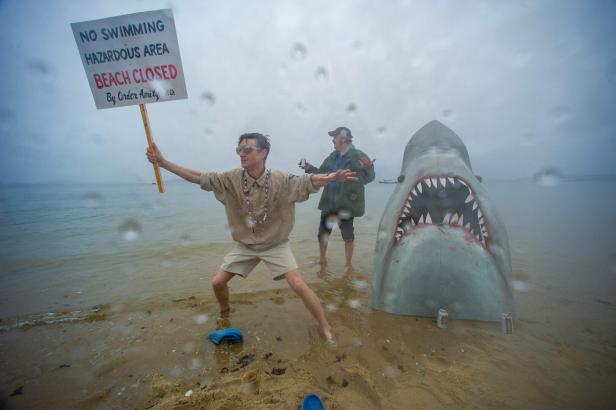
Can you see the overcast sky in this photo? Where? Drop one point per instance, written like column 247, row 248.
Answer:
column 525, row 84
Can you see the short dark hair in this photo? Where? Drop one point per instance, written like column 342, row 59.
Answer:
column 262, row 141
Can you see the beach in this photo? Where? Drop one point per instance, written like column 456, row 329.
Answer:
column 109, row 322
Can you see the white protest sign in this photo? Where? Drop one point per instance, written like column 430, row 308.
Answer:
column 131, row 59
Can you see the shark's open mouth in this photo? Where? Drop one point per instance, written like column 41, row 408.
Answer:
column 442, row 200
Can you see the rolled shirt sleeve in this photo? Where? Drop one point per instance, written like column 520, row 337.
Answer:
column 299, row 188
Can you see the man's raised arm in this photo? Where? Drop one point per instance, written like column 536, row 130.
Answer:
column 156, row 157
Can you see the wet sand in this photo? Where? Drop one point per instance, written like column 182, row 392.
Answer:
column 153, row 353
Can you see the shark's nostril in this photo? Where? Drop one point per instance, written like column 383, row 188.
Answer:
column 401, row 178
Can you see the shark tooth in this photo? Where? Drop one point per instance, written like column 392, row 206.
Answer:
column 461, row 221
column 479, row 214
column 475, row 205
column 443, row 181
column 469, row 198
column 419, row 187
column 467, row 226
column 428, row 219
column 414, row 192
column 454, row 219
column 451, row 180
column 434, row 182
column 428, row 182
column 421, row 220
column 447, row 218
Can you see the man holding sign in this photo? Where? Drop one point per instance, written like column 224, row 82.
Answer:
column 260, row 207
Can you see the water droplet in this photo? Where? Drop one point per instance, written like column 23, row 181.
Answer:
column 344, row 214
column 298, row 51
column 390, row 298
column 190, row 347
column 324, row 238
column 382, row 235
column 92, row 200
column 40, row 67
column 351, row 108
column 359, row 284
column 248, row 388
column 176, row 371
column 353, row 303
column 331, row 307
column 249, row 222
column 160, row 87
column 208, row 132
column 447, row 113
column 185, row 239
column 357, row 45
column 391, row 372
column 321, row 73
column 560, row 115
column 380, row 133
column 300, row 107
column 201, row 319
column 519, row 285
column 208, row 97
column 95, row 139
column 331, row 222
column 194, row 364
column 130, row 229
column 549, row 177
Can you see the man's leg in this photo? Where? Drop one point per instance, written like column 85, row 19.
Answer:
column 311, row 301
column 348, row 252
column 323, row 236
column 221, row 290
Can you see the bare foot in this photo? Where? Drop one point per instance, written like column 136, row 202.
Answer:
column 327, row 332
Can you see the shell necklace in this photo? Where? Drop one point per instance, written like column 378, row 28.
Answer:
column 252, row 219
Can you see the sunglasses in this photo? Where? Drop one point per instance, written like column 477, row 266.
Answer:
column 246, row 149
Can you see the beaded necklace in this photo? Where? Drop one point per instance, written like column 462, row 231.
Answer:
column 254, row 220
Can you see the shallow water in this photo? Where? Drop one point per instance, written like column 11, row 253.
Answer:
column 76, row 292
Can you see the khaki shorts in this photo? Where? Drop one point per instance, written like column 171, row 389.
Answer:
column 242, row 260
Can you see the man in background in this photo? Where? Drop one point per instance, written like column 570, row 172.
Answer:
column 341, row 202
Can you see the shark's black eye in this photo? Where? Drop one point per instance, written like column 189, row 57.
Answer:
column 401, row 178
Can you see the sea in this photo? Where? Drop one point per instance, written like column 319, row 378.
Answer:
column 71, row 247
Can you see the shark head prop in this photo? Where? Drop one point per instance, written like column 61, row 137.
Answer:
column 441, row 243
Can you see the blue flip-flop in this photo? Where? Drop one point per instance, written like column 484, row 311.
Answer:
column 230, row 335
column 312, row 402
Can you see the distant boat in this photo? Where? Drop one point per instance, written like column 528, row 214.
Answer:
column 388, row 181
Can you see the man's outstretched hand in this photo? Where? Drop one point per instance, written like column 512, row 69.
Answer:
column 365, row 162
column 343, row 175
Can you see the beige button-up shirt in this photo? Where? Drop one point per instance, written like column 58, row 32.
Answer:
column 284, row 191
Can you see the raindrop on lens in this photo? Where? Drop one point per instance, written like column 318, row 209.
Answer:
column 447, row 113
column 344, row 214
column 331, row 307
column 298, row 51
column 331, row 222
column 321, row 73
column 159, row 87
column 248, row 388
column 519, row 285
column 208, row 97
column 250, row 223
column 130, row 229
column 354, row 303
column 92, row 200
column 560, row 114
column 359, row 284
column 382, row 235
column 391, row 372
column 190, row 347
column 176, row 371
column 194, row 364
column 380, row 133
column 548, row 177
column 351, row 108
column 357, row 45
column 201, row 319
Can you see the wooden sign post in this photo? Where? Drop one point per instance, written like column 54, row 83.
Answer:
column 148, row 134
column 132, row 59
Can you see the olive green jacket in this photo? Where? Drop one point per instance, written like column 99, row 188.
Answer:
column 349, row 195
